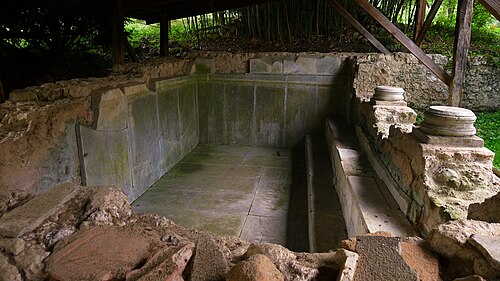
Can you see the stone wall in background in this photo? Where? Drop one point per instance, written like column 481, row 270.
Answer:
column 423, row 89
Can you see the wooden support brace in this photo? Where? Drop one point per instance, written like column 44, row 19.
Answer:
column 460, row 50
column 117, row 34
column 404, row 40
column 164, row 27
column 359, row 27
column 428, row 21
column 419, row 17
column 493, row 6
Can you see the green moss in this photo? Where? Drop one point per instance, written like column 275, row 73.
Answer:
column 202, row 69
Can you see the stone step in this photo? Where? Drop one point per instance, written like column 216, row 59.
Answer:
column 326, row 224
column 367, row 204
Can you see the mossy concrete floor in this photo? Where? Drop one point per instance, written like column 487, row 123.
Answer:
column 233, row 190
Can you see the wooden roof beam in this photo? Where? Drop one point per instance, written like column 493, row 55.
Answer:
column 428, row 21
column 404, row 40
column 358, row 26
column 493, row 6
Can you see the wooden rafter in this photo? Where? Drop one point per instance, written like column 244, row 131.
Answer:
column 358, row 26
column 404, row 40
column 419, row 17
column 428, row 21
column 460, row 50
column 493, row 6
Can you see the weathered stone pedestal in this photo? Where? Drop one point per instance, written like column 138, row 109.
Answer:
column 435, row 171
column 389, row 108
column 457, row 167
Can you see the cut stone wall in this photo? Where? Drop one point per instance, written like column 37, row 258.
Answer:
column 139, row 134
column 422, row 88
column 265, row 109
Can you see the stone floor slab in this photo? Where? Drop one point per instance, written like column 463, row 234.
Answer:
column 258, row 229
column 228, row 190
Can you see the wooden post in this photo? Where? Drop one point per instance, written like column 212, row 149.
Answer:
column 2, row 95
column 404, row 40
column 117, row 34
column 164, row 27
column 460, row 50
column 428, row 21
column 359, row 27
column 419, row 17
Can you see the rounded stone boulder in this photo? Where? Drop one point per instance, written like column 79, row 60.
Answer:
column 449, row 121
column 388, row 93
column 256, row 268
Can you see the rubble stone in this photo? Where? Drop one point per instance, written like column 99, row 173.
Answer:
column 209, row 262
column 380, row 259
column 169, row 265
column 100, row 253
column 32, row 262
column 29, row 216
column 8, row 272
column 489, row 246
column 488, row 211
column 255, row 268
column 13, row 246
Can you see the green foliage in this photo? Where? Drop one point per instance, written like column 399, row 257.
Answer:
column 139, row 33
column 488, row 128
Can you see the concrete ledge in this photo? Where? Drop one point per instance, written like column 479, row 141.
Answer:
column 402, row 200
column 367, row 205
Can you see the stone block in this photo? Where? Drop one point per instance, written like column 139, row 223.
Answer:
column 489, row 246
column 301, row 110
column 105, row 158
column 31, row 215
column 277, row 67
column 8, row 271
column 255, row 268
column 468, row 141
column 380, row 259
column 105, row 257
column 216, row 116
column 290, row 67
column 134, row 89
column 348, row 261
column 488, row 211
column 269, row 115
column 209, row 262
column 260, row 66
column 111, row 106
column 306, row 65
column 328, row 65
column 188, row 117
column 203, row 66
column 168, row 113
column 144, row 137
column 204, row 96
column 239, row 110
column 21, row 95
